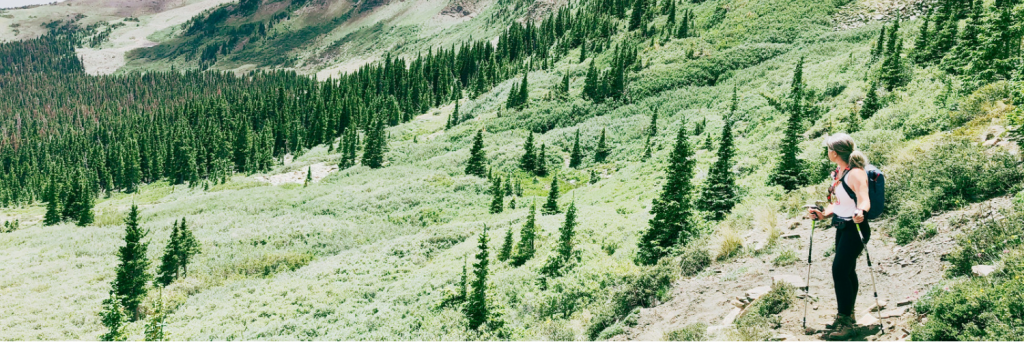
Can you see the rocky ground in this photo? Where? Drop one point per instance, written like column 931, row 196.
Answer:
column 904, row 273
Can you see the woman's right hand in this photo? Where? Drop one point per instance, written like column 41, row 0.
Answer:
column 814, row 214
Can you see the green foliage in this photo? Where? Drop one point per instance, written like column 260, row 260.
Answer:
column 506, row 245
column 551, row 206
column 113, row 317
column 498, row 202
column 565, row 256
column 576, row 157
column 155, row 322
column 788, row 172
column 639, row 289
column 181, row 248
column 986, row 243
column 476, row 305
column 933, row 181
column 602, row 149
column 671, row 222
column 691, row 332
column 529, row 160
column 476, row 165
column 785, row 258
column 976, row 309
column 694, row 260
column 762, row 317
column 132, row 269
column 871, row 102
column 719, row 193
column 527, row 236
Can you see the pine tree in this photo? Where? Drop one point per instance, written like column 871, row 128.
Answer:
column 529, row 160
column 551, row 206
column 871, row 102
column 960, row 55
column 113, row 318
column 541, row 168
column 53, row 210
column 583, row 51
column 506, row 245
column 683, row 31
column 309, row 176
column 512, row 203
column 525, row 250
column 637, row 15
column 508, row 186
column 498, row 203
column 787, row 172
column 602, row 148
column 132, row 276
column 564, row 89
column 524, row 92
column 155, row 323
column 593, row 177
column 854, row 121
column 476, row 307
column 576, row 157
column 671, row 20
column 719, row 195
column 876, row 52
column 590, row 85
column 188, row 247
column 476, row 164
column 169, row 267
column 652, row 131
column 564, row 256
column 376, row 143
column 671, row 223
column 920, row 54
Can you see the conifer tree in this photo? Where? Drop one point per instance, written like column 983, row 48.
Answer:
column 593, row 177
column 920, row 53
column 155, row 323
column 508, row 186
column 309, row 176
column 894, row 72
column 871, row 102
column 132, row 276
column 113, row 317
column 576, row 157
column 590, row 85
column 683, row 31
column 376, row 143
column 53, row 210
column 475, row 165
column 525, row 250
column 476, row 307
column 652, row 130
column 583, row 51
column 512, row 203
column 524, row 92
column 565, row 256
column 787, row 172
column 960, row 55
column 188, row 247
column 602, row 148
column 169, row 267
column 564, row 88
column 671, row 9
column 551, row 206
column 506, row 245
column 719, row 195
column 541, row 168
column 671, row 223
column 529, row 160
column 876, row 52
column 853, row 124
column 637, row 15
column 498, row 203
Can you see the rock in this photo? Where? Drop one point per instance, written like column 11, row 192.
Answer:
column 794, row 225
column 756, row 292
column 737, row 304
column 731, row 317
column 867, row 320
column 794, row 280
column 877, row 306
column 897, row 312
column 982, row 270
column 904, row 302
column 790, row 236
column 990, row 142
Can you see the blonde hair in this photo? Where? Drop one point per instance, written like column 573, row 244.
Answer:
column 844, row 146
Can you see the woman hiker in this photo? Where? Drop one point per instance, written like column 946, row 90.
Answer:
column 849, row 181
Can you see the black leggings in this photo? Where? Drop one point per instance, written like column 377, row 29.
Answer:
column 844, row 266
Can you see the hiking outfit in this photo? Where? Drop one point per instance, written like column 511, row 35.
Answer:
column 849, row 242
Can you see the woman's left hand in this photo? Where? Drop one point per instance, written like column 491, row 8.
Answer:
column 858, row 217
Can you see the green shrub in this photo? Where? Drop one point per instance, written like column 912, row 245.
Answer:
column 930, row 230
column 641, row 289
column 978, row 309
column 758, row 322
column 694, row 260
column 986, row 243
column 786, row 258
column 691, row 332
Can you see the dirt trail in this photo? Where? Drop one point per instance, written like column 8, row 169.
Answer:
column 319, row 170
column 904, row 273
column 108, row 59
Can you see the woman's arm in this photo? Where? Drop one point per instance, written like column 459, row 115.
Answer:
column 859, row 184
column 820, row 215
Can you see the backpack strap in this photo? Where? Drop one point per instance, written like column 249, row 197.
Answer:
column 847, row 188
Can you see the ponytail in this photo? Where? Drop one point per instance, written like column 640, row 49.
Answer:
column 857, row 160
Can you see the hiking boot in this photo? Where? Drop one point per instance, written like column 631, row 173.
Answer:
column 841, row 320
column 841, row 333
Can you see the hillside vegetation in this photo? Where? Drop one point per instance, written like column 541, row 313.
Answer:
column 537, row 170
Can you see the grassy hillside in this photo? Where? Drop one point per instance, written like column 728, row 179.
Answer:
column 374, row 253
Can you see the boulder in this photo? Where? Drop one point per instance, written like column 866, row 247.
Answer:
column 756, row 292
column 738, row 304
column 982, row 270
column 790, row 236
column 877, row 306
column 867, row 320
column 731, row 317
column 907, row 301
column 897, row 312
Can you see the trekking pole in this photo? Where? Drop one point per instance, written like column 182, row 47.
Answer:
column 874, row 287
column 807, row 290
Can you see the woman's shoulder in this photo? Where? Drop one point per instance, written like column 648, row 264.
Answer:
column 858, row 174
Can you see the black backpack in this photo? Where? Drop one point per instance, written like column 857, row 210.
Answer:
column 876, row 191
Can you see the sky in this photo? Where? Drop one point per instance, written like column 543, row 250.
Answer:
column 19, row 3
